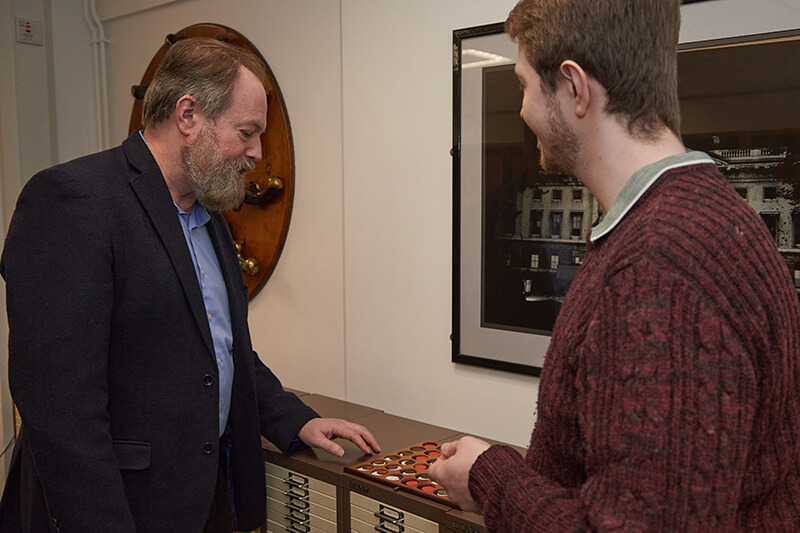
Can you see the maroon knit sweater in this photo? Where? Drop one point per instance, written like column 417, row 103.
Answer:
column 669, row 398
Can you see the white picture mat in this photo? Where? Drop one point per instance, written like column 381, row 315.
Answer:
column 475, row 340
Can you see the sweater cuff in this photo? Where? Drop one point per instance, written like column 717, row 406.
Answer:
column 490, row 474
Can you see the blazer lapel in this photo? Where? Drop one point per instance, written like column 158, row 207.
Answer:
column 151, row 189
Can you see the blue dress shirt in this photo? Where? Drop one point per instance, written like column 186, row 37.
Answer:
column 215, row 298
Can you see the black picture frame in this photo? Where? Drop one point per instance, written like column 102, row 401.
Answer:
column 474, row 344
column 757, row 147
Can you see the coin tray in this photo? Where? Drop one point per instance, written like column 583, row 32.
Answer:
column 406, row 470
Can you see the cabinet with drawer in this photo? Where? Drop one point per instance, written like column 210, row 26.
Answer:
column 310, row 492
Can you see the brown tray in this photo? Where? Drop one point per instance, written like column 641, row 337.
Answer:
column 407, row 470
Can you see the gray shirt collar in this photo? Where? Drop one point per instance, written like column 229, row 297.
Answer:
column 638, row 184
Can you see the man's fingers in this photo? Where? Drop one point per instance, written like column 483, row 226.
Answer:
column 318, row 433
column 361, row 437
column 331, row 447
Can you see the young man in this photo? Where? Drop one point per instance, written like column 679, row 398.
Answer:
column 669, row 396
column 142, row 401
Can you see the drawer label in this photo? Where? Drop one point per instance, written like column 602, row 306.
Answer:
column 355, row 485
column 458, row 526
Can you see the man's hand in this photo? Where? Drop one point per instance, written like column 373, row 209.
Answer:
column 318, row 433
column 451, row 470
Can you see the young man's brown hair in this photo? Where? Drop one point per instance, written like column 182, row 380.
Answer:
column 641, row 79
column 204, row 68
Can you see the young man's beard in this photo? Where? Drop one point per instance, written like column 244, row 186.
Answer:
column 218, row 185
column 563, row 144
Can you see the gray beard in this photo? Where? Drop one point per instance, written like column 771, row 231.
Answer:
column 217, row 184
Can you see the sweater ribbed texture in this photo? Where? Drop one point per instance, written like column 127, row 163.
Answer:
column 668, row 399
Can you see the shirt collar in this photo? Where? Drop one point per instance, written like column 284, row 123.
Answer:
column 197, row 218
column 638, row 184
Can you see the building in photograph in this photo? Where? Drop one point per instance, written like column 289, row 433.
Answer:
column 768, row 178
column 542, row 224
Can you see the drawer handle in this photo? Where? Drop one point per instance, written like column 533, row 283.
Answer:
column 295, row 480
column 297, row 505
column 389, row 527
column 297, row 517
column 389, row 515
column 296, row 492
column 297, row 528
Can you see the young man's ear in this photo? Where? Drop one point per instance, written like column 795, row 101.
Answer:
column 577, row 86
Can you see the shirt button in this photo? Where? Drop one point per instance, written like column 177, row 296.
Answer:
column 208, row 447
column 208, row 380
column 209, row 316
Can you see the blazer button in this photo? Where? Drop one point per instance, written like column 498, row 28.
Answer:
column 208, row 447
column 208, row 380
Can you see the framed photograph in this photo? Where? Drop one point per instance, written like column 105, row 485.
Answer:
column 493, row 324
column 740, row 102
column 519, row 233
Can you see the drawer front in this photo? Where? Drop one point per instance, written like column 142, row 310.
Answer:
column 362, row 521
column 292, row 478
column 281, row 527
column 385, row 518
column 297, row 521
column 301, row 506
column 298, row 493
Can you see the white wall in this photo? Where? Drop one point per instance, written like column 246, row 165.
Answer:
column 359, row 304
column 75, row 95
column 718, row 19
column 397, row 72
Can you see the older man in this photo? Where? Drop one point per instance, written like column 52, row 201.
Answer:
column 142, row 400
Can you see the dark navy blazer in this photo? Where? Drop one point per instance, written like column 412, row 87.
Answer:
column 111, row 362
